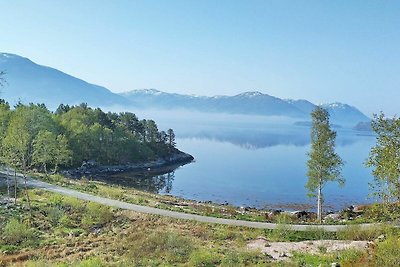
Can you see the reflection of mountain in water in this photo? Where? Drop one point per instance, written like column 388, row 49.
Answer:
column 256, row 139
column 147, row 181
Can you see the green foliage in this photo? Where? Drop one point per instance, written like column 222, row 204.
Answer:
column 324, row 164
column 92, row 262
column 356, row 232
column 387, row 252
column 32, row 136
column 72, row 203
column 15, row 232
column 54, row 214
column 169, row 246
column 379, row 212
column 243, row 258
column 204, row 258
column 384, row 157
column 96, row 214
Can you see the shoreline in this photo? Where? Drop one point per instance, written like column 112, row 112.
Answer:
column 177, row 159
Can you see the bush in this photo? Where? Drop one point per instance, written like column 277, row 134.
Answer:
column 56, row 200
column 65, row 221
column 243, row 258
column 54, row 214
column 387, row 252
column 73, row 203
column 355, row 232
column 16, row 232
column 92, row 262
column 169, row 246
column 96, row 214
column 204, row 258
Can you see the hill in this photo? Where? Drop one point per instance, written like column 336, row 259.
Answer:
column 30, row 82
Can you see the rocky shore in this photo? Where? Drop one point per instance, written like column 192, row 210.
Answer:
column 92, row 168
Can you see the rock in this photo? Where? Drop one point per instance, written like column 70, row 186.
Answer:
column 271, row 214
column 380, row 238
column 359, row 208
column 282, row 255
column 303, row 215
column 333, row 216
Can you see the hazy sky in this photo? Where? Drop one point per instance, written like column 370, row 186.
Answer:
column 323, row 51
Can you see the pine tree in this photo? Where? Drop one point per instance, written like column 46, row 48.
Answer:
column 324, row 164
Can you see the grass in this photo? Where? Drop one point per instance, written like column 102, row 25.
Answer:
column 167, row 202
column 65, row 231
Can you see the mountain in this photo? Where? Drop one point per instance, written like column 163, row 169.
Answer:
column 30, row 82
column 345, row 113
column 255, row 103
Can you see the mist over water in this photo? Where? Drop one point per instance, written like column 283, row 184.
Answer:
column 254, row 160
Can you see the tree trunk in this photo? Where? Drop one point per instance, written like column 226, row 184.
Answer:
column 8, row 184
column 45, row 169
column 15, row 186
column 319, row 204
column 26, row 187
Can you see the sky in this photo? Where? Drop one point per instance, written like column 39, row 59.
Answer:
column 322, row 51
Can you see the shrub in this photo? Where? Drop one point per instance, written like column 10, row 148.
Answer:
column 387, row 252
column 355, row 232
column 96, row 214
column 16, row 232
column 66, row 221
column 72, row 203
column 160, row 245
column 204, row 258
column 56, row 200
column 243, row 258
column 54, row 214
column 92, row 262
column 352, row 257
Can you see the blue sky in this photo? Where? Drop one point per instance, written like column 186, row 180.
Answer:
column 323, row 51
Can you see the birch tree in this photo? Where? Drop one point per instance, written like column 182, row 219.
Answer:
column 324, row 164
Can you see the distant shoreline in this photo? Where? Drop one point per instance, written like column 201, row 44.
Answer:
column 177, row 159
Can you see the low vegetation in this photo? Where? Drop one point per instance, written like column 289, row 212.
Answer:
column 64, row 231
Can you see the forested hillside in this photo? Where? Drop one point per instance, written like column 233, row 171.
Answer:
column 34, row 137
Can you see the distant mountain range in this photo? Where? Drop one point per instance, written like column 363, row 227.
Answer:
column 254, row 103
column 30, row 82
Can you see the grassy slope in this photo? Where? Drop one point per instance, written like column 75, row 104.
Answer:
column 69, row 232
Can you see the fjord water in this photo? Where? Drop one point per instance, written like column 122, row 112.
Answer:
column 256, row 161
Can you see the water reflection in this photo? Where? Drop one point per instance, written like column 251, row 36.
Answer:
column 157, row 183
column 252, row 162
column 263, row 138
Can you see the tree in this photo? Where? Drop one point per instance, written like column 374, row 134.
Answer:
column 25, row 123
column 44, row 146
column 384, row 157
column 5, row 114
column 62, row 154
column 15, row 147
column 171, row 138
column 50, row 149
column 151, row 131
column 324, row 164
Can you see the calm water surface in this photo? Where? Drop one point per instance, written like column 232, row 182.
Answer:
column 248, row 161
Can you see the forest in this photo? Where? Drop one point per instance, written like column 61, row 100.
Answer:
column 33, row 137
